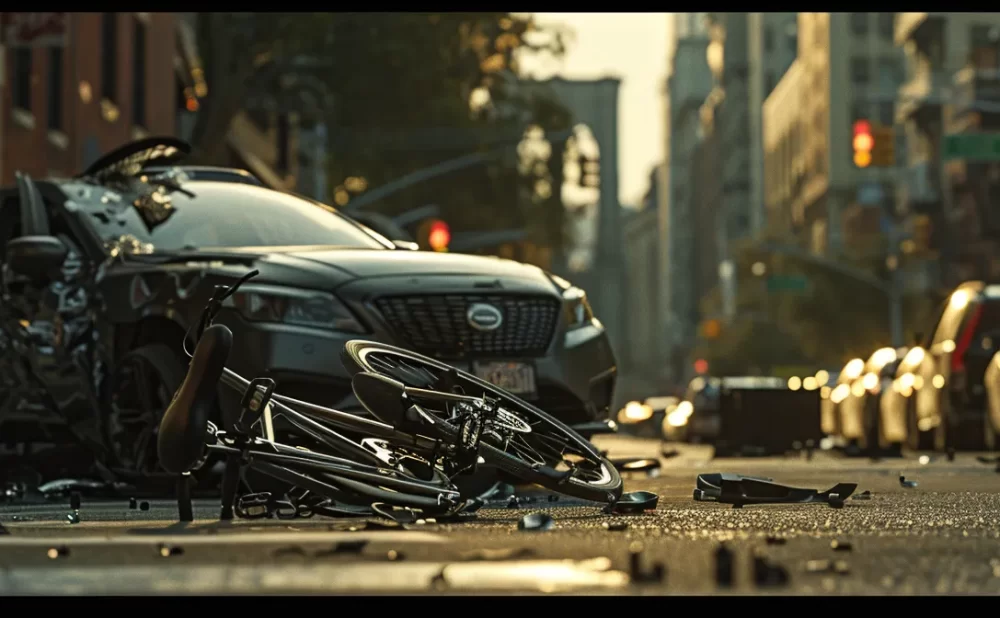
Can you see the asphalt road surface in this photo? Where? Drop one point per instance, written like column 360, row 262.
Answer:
column 940, row 537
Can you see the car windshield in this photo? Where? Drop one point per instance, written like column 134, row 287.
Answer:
column 221, row 214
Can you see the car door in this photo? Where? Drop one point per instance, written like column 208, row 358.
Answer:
column 52, row 323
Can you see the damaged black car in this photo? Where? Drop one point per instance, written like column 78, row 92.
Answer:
column 103, row 273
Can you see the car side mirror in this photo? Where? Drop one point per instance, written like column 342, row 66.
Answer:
column 406, row 245
column 36, row 257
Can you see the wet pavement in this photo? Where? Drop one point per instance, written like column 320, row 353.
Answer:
column 941, row 536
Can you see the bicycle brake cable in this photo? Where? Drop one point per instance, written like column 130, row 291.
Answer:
column 212, row 309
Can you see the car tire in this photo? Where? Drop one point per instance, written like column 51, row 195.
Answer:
column 168, row 371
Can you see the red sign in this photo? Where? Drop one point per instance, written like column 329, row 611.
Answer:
column 34, row 29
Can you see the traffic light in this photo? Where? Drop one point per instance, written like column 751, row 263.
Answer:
column 438, row 235
column 884, row 148
column 863, row 143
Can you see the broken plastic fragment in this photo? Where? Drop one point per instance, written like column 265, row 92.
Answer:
column 536, row 522
column 905, row 483
column 865, row 495
column 635, row 502
column 742, row 490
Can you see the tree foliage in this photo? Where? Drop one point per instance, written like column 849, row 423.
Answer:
column 395, row 74
column 835, row 319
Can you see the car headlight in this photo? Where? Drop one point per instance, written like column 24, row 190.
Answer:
column 265, row 303
column 576, row 307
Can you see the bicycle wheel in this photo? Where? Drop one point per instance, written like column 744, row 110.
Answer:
column 530, row 444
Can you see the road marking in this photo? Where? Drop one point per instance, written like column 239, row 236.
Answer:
column 187, row 540
column 533, row 575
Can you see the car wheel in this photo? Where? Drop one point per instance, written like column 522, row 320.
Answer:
column 139, row 389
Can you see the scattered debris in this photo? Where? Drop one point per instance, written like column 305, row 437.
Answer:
column 513, row 503
column 132, row 503
column 837, row 545
column 723, row 566
column 74, row 500
column 865, row 495
column 634, row 502
column 58, row 552
column 344, row 547
column 741, row 490
column 775, row 540
column 170, row 550
column 951, row 453
column 905, row 483
column 143, row 506
column 536, row 522
column 669, row 453
column 400, row 515
column 14, row 491
column 616, row 526
column 64, row 487
column 639, row 575
column 394, row 556
column 767, row 573
column 553, row 497
column 636, row 465
column 74, row 517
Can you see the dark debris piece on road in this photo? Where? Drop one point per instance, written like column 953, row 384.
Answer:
column 536, row 522
column 633, row 502
column 638, row 574
column 905, row 483
column 739, row 490
column 768, row 574
column 865, row 495
column 636, row 465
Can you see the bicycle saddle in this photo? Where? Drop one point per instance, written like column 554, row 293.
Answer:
column 181, row 440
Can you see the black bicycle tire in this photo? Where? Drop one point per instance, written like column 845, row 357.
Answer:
column 611, row 491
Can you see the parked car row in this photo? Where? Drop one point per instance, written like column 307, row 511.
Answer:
column 941, row 394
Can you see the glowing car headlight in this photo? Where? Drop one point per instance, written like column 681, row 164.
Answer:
column 260, row 303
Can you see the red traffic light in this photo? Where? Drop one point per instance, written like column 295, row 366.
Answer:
column 439, row 236
column 862, row 127
column 701, row 366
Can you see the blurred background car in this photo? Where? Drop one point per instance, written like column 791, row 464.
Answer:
column 991, row 381
column 965, row 339
column 913, row 396
column 860, row 410
column 703, row 415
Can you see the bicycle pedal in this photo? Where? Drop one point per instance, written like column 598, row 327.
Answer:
column 254, row 506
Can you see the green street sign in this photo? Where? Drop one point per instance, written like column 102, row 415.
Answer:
column 972, row 147
column 787, row 283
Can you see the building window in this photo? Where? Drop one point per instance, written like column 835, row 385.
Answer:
column 21, row 85
column 768, row 39
column 139, row 73
column 859, row 111
column 887, row 113
column 283, row 139
column 55, row 89
column 887, row 25
column 109, row 56
column 859, row 71
column 859, row 23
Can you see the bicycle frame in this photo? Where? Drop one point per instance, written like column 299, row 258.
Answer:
column 343, row 420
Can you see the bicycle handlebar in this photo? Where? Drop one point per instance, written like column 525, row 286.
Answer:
column 211, row 309
column 181, row 440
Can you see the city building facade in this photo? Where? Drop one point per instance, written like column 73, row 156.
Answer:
column 847, row 70
column 952, row 85
column 64, row 106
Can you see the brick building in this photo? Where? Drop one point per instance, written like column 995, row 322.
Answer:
column 61, row 108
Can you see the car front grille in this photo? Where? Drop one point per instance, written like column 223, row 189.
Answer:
column 437, row 325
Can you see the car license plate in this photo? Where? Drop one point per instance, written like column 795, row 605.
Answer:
column 518, row 378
